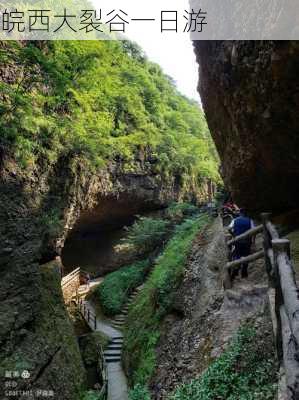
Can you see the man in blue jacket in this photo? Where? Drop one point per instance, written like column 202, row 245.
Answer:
column 238, row 226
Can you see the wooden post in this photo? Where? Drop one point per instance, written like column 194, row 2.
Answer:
column 277, row 248
column 267, row 244
column 288, row 286
column 290, row 361
column 227, row 281
column 88, row 314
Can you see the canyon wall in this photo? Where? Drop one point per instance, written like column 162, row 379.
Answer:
column 250, row 94
column 39, row 206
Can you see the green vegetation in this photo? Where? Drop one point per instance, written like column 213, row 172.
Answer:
column 177, row 212
column 52, row 221
column 139, row 392
column 91, row 395
column 90, row 346
column 117, row 286
column 243, row 372
column 101, row 101
column 147, row 233
column 142, row 329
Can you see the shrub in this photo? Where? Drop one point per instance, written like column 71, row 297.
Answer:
column 147, row 233
column 243, row 372
column 139, row 392
column 89, row 346
column 91, row 395
column 116, row 287
column 179, row 211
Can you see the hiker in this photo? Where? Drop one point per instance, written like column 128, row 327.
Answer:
column 242, row 248
column 230, row 207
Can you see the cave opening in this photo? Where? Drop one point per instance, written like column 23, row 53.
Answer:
column 96, row 241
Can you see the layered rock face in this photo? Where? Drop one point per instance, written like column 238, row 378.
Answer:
column 250, row 93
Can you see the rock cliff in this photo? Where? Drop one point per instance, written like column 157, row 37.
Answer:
column 249, row 91
column 38, row 208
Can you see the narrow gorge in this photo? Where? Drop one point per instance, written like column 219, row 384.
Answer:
column 105, row 166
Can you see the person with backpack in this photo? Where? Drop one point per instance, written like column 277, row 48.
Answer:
column 239, row 225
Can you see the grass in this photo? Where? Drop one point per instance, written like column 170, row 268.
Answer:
column 117, row 286
column 245, row 371
column 142, row 329
column 91, row 395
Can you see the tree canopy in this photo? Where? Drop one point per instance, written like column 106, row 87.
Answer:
column 101, row 100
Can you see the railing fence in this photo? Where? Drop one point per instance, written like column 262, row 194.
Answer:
column 281, row 277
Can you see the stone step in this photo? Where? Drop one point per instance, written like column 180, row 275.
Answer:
column 112, row 353
column 122, row 318
column 120, row 340
column 116, row 347
column 113, row 360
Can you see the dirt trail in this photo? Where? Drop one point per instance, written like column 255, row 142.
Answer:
column 205, row 317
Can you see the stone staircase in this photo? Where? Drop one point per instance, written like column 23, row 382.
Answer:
column 113, row 351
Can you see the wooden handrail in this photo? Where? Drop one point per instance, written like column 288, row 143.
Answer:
column 68, row 278
column 248, row 259
column 282, row 278
column 247, row 234
column 288, row 284
column 272, row 230
column 89, row 317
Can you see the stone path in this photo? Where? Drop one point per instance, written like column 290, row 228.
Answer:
column 117, row 382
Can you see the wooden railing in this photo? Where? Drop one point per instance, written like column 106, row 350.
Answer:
column 70, row 277
column 281, row 276
column 91, row 320
column 88, row 315
column 78, row 272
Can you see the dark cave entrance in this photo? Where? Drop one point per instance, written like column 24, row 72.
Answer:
column 95, row 243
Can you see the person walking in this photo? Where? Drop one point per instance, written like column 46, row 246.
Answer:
column 238, row 226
